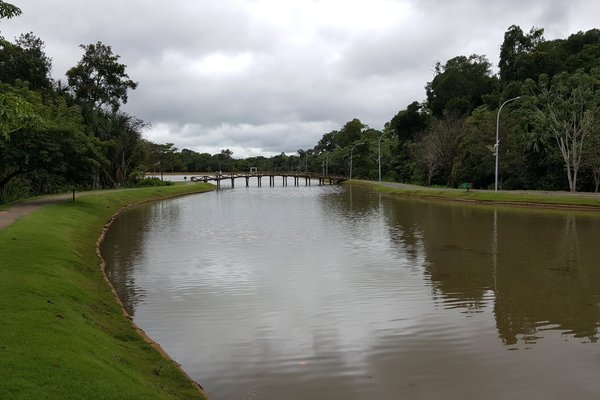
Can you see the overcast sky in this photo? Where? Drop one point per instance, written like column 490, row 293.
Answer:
column 271, row 76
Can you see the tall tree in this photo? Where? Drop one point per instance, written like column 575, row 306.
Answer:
column 25, row 60
column 409, row 122
column 591, row 157
column 429, row 155
column 566, row 108
column 124, row 149
column 460, row 85
column 8, row 10
column 515, row 45
column 99, row 79
column 56, row 145
column 449, row 132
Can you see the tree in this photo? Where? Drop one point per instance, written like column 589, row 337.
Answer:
column 449, row 133
column 26, row 61
column 591, row 157
column 428, row 154
column 124, row 149
column 566, row 109
column 351, row 132
column 8, row 10
column 459, row 86
column 56, row 146
column 515, row 45
column 409, row 122
column 161, row 156
column 16, row 112
column 99, row 79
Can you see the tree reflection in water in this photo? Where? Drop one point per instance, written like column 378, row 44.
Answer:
column 538, row 267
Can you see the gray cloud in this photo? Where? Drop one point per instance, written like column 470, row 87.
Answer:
column 266, row 76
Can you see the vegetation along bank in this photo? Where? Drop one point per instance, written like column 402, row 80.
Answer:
column 63, row 335
column 541, row 199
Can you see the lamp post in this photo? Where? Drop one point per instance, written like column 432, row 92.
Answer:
column 379, row 151
column 351, row 151
column 497, row 145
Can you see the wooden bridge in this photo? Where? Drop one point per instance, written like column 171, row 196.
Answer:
column 296, row 176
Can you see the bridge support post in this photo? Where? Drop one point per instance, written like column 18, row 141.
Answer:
column 247, row 181
column 232, row 183
column 259, row 181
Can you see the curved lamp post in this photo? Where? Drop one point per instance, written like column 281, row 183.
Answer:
column 351, row 151
column 497, row 145
column 379, row 151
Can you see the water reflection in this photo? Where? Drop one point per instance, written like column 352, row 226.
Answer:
column 545, row 280
column 529, row 265
column 125, row 248
column 338, row 293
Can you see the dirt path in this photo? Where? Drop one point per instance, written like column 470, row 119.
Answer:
column 18, row 210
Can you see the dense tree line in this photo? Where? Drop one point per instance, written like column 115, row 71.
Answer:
column 57, row 134
column 548, row 139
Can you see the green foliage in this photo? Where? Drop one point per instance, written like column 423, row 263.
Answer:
column 99, row 79
column 17, row 112
column 567, row 109
column 8, row 10
column 494, row 198
column 54, row 142
column 459, row 86
column 25, row 60
column 515, row 45
column 147, row 182
column 408, row 123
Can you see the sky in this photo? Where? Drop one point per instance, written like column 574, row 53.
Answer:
column 261, row 77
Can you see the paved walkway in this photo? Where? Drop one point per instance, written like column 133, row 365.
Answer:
column 18, row 210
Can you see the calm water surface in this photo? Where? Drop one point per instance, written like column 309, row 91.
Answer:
column 339, row 293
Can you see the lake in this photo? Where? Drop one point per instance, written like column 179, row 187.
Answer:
column 337, row 292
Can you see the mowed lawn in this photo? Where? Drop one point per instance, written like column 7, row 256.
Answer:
column 62, row 334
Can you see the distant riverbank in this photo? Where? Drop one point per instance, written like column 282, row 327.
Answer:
column 63, row 333
column 521, row 198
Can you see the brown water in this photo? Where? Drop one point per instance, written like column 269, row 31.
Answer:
column 339, row 293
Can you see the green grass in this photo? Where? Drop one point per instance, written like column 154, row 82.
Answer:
column 62, row 334
column 542, row 199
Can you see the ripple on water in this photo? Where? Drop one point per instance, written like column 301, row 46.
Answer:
column 337, row 293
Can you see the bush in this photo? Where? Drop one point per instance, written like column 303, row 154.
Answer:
column 152, row 182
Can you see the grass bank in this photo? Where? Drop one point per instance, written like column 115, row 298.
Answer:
column 62, row 334
column 558, row 200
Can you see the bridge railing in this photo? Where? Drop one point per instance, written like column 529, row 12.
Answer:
column 218, row 176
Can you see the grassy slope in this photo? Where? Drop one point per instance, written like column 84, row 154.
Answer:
column 62, row 334
column 483, row 197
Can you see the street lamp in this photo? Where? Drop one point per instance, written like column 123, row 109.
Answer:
column 379, row 151
column 497, row 145
column 351, row 151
